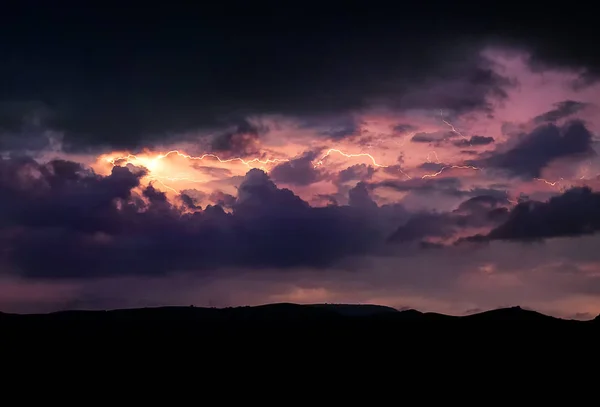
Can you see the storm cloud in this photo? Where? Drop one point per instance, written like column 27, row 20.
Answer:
column 574, row 213
column 236, row 153
column 208, row 84
column 61, row 221
column 539, row 148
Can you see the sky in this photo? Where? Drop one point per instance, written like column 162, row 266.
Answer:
column 432, row 157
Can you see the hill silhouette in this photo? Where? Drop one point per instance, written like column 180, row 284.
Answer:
column 325, row 316
column 283, row 330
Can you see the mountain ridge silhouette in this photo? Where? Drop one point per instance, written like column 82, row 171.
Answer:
column 321, row 325
column 290, row 311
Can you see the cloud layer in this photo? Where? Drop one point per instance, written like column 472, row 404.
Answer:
column 446, row 166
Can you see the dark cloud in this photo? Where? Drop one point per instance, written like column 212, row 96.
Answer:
column 62, row 194
column 14, row 116
column 31, row 140
column 361, row 172
column 422, row 226
column 540, row 147
column 330, row 199
column 404, row 128
column 359, row 197
column 60, row 220
column 434, row 137
column 298, row 171
column 179, row 70
column 189, row 202
column 423, row 138
column 470, row 85
column 241, row 140
column 563, row 109
column 551, row 49
column 341, row 130
column 450, row 186
column 430, row 245
column 512, row 129
column 474, row 141
column 222, row 199
column 23, row 128
column 106, row 98
column 395, row 170
column 334, row 127
column 431, row 166
column 575, row 212
column 477, row 212
column 191, row 197
column 477, row 203
column 352, row 186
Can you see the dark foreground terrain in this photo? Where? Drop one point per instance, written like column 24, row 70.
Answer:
column 343, row 348
column 320, row 336
column 317, row 319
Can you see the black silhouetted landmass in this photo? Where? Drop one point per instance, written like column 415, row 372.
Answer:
column 323, row 317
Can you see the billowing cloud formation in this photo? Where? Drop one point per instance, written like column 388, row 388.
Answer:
column 479, row 212
column 358, row 172
column 59, row 220
column 242, row 140
column 563, row 109
column 299, row 171
column 574, row 213
column 539, row 148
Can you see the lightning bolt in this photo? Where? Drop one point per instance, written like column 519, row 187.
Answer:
column 558, row 181
column 452, row 128
column 404, row 139
column 375, row 163
column 585, row 171
column 511, row 201
column 151, row 163
column 333, row 150
column 460, row 167
column 437, row 159
column 163, row 184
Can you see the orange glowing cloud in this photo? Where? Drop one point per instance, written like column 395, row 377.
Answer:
column 396, row 145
